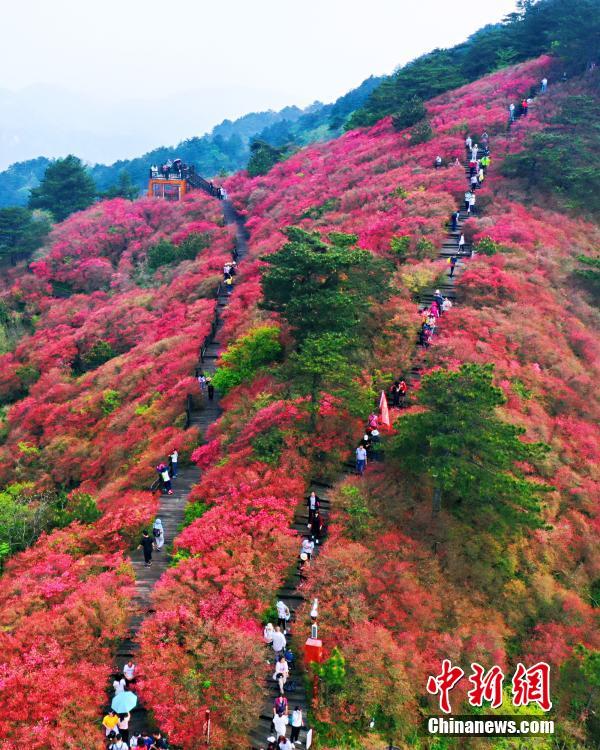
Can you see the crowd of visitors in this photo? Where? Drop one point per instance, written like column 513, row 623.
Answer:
column 522, row 107
column 116, row 722
column 171, row 170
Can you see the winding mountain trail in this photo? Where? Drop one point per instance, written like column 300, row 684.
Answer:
column 291, row 593
column 172, row 507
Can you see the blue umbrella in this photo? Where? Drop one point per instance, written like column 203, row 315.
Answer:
column 123, row 702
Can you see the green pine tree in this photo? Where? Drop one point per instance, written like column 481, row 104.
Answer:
column 65, row 188
column 467, row 453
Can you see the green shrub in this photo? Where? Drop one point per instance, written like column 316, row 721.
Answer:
column 400, row 246
column 246, row 356
column 316, row 212
column 161, row 254
column 99, row 353
column 421, row 132
column 588, row 276
column 28, row 375
column 268, row 446
column 425, row 249
column 81, row 507
column 357, row 510
column 487, row 246
column 165, row 252
column 111, row 400
column 194, row 511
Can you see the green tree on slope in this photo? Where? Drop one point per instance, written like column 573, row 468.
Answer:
column 468, row 453
column 65, row 188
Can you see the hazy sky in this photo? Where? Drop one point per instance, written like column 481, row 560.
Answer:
column 290, row 52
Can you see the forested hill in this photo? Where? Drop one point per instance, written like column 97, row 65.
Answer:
column 224, row 149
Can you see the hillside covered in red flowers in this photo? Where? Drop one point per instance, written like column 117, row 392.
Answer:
column 95, row 391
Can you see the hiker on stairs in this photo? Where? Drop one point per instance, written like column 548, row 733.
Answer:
column 282, row 672
column 453, row 261
column 283, row 616
column 158, row 533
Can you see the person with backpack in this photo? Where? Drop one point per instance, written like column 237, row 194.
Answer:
column 147, row 545
column 438, row 299
column 158, row 533
column 228, row 285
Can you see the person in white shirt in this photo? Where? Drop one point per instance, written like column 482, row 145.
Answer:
column 174, row 461
column 129, row 672
column 544, row 85
column 123, row 726
column 119, row 685
column 361, row 459
column 279, row 642
column 283, row 615
column 468, row 143
column 307, row 547
column 280, row 723
column 282, row 672
column 461, row 243
column 296, row 723
column 268, row 633
column 474, row 151
column 285, row 744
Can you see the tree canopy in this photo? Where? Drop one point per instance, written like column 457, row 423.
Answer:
column 21, row 232
column 319, row 286
column 567, row 28
column 468, row 452
column 65, row 188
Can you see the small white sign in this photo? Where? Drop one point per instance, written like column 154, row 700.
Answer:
column 309, row 738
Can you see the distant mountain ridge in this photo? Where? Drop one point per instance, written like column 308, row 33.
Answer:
column 224, row 149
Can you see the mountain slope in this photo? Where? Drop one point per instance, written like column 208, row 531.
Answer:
column 474, row 595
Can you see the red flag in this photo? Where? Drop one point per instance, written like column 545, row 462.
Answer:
column 383, row 408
